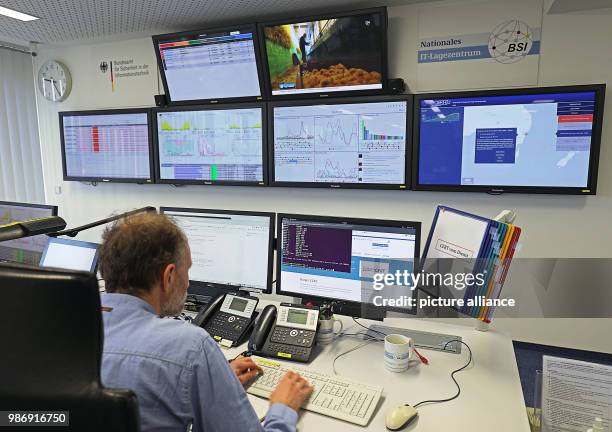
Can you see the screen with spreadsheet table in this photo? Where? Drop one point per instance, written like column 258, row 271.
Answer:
column 211, row 145
column 107, row 145
column 27, row 250
column 341, row 143
column 203, row 65
column 229, row 249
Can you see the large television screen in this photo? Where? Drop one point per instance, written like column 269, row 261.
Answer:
column 541, row 140
column 108, row 145
column 209, row 65
column 206, row 145
column 359, row 143
column 341, row 53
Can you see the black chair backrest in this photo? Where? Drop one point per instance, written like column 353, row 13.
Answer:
column 51, row 336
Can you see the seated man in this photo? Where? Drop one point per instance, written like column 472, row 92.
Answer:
column 177, row 371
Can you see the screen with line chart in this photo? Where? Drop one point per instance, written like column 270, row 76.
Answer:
column 356, row 143
column 211, row 145
column 106, row 145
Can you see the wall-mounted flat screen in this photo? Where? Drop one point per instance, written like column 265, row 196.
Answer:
column 536, row 140
column 359, row 143
column 209, row 65
column 106, row 146
column 333, row 53
column 206, row 145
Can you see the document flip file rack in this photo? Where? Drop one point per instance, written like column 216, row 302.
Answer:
column 476, row 245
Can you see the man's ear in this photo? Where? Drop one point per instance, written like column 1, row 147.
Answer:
column 167, row 276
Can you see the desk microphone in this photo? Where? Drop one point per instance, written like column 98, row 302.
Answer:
column 31, row 227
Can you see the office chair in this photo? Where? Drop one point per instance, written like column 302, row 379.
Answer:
column 51, row 337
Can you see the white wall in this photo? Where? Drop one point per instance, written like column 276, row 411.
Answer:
column 575, row 50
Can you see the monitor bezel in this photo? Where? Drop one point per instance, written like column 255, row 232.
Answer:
column 408, row 98
column 224, row 287
column 53, row 208
column 334, row 15
column 589, row 189
column 258, row 61
column 243, row 105
column 347, row 307
column 72, row 242
column 101, row 179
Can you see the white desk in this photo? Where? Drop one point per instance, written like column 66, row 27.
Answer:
column 491, row 395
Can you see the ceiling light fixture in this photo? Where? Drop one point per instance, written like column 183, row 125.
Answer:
column 17, row 15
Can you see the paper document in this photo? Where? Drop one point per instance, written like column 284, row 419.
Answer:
column 574, row 394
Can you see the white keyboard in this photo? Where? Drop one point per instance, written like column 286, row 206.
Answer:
column 333, row 396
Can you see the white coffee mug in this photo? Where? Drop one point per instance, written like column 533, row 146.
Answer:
column 399, row 349
column 326, row 332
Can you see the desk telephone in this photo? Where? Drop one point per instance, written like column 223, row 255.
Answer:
column 288, row 332
column 228, row 318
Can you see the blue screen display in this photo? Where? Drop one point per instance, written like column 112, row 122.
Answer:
column 521, row 140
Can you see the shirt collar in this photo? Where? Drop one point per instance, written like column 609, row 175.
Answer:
column 125, row 300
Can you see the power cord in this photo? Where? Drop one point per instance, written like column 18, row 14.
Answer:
column 452, row 377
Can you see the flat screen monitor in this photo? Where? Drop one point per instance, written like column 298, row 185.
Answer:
column 230, row 250
column 27, row 250
column 107, row 145
column 316, row 56
column 332, row 258
column 536, row 140
column 70, row 255
column 347, row 143
column 205, row 145
column 210, row 65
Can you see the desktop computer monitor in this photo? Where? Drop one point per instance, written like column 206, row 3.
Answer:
column 230, row 250
column 324, row 259
column 70, row 255
column 26, row 250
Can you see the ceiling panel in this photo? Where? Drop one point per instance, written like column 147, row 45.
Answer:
column 70, row 21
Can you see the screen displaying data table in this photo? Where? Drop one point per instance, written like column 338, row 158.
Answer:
column 107, row 146
column 211, row 145
column 360, row 143
column 210, row 66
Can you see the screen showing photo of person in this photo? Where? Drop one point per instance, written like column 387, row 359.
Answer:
column 340, row 54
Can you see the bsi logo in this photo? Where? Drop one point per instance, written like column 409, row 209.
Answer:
column 510, row 41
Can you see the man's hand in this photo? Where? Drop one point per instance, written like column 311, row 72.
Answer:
column 245, row 369
column 292, row 390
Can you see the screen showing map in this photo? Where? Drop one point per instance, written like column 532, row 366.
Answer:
column 361, row 143
column 521, row 140
column 211, row 145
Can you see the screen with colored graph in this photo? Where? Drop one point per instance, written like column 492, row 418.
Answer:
column 106, row 145
column 211, row 145
column 327, row 54
column 26, row 250
column 341, row 144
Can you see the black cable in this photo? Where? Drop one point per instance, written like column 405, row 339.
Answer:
column 368, row 328
column 452, row 377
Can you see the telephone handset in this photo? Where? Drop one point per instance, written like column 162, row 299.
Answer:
column 287, row 332
column 228, row 318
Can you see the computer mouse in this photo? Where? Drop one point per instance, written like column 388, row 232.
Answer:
column 399, row 417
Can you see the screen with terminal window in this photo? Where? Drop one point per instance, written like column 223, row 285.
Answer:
column 335, row 258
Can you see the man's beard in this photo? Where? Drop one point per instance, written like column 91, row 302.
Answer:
column 175, row 305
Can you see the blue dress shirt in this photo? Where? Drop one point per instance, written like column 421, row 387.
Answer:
column 178, row 373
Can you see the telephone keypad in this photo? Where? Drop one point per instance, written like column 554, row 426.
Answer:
column 226, row 326
column 291, row 336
